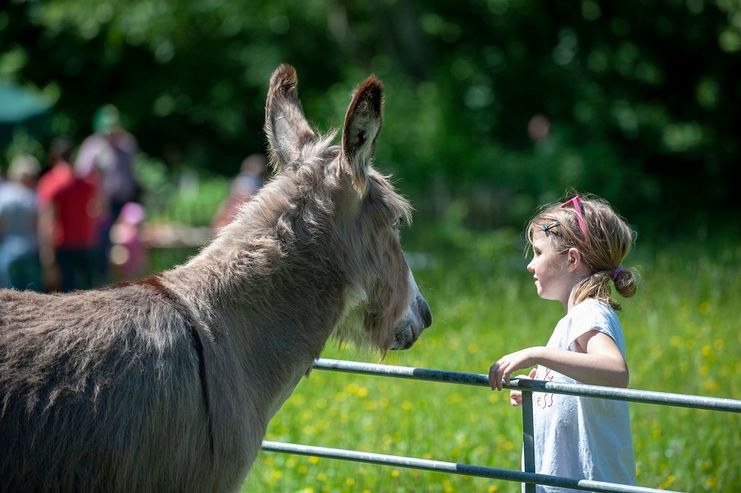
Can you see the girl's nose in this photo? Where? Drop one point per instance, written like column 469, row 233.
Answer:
column 530, row 267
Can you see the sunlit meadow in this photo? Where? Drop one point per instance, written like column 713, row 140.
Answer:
column 683, row 336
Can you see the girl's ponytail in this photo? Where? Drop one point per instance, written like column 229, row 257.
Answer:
column 625, row 282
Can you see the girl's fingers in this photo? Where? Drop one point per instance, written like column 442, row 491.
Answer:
column 498, row 378
column 499, row 372
column 505, row 374
column 493, row 374
column 503, row 377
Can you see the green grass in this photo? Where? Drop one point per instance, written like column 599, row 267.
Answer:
column 683, row 336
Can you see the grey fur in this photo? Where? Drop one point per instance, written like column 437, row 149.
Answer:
column 167, row 384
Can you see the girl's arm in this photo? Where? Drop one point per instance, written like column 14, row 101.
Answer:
column 597, row 361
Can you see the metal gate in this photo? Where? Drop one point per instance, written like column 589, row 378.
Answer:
column 529, row 477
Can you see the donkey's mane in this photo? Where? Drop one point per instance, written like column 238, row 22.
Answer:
column 301, row 192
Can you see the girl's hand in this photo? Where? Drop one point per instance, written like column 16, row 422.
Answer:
column 515, row 396
column 502, row 369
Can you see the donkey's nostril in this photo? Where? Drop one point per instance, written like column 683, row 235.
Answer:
column 424, row 311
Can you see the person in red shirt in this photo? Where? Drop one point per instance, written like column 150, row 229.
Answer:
column 68, row 211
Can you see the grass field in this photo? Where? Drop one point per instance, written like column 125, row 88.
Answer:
column 683, row 334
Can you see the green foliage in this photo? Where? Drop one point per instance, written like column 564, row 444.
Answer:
column 23, row 143
column 495, row 103
column 196, row 205
column 184, row 197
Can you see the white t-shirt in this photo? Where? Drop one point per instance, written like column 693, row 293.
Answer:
column 582, row 437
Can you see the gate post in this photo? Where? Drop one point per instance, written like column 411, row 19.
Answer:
column 528, row 442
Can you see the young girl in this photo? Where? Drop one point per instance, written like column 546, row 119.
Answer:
column 578, row 247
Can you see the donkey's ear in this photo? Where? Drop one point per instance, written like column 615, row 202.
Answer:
column 285, row 124
column 362, row 124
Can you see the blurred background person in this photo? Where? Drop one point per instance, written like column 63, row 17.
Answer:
column 19, row 215
column 129, row 253
column 245, row 185
column 106, row 160
column 68, row 214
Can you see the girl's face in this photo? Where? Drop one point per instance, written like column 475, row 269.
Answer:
column 550, row 270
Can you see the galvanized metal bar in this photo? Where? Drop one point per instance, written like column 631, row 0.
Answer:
column 408, row 372
column 633, row 395
column 453, row 468
column 528, row 438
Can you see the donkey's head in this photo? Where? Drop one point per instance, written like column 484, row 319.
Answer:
column 381, row 302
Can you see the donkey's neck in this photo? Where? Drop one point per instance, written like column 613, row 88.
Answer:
column 271, row 284
column 297, row 287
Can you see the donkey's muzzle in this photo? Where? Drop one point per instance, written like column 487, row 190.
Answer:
column 417, row 318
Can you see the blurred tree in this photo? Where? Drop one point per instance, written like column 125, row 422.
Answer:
column 502, row 104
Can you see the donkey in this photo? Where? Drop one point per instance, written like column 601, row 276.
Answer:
column 168, row 383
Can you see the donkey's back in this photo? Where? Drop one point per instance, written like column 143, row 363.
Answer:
column 96, row 388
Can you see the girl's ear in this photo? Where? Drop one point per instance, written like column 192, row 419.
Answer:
column 574, row 259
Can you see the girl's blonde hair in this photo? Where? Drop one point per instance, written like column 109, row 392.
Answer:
column 602, row 237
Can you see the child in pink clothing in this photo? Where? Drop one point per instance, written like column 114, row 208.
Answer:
column 129, row 253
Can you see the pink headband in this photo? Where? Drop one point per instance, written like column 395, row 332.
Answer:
column 576, row 203
column 616, row 272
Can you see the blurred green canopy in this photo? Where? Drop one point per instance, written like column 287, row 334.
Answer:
column 495, row 105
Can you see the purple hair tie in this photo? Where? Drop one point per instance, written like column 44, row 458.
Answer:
column 616, row 272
